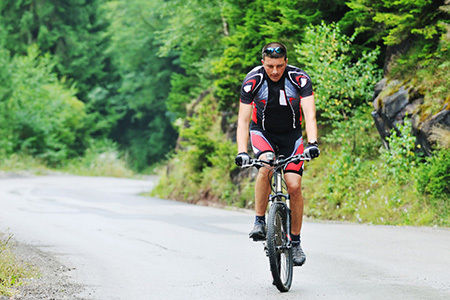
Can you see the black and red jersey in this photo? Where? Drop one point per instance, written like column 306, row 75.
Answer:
column 276, row 105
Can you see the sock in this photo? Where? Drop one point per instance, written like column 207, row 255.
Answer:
column 260, row 219
column 295, row 239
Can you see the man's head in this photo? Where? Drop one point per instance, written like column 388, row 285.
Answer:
column 274, row 60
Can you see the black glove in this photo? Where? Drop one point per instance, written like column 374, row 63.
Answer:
column 312, row 150
column 242, row 159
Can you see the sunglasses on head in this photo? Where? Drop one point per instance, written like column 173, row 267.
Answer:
column 271, row 50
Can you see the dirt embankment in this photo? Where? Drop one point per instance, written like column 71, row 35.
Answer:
column 50, row 279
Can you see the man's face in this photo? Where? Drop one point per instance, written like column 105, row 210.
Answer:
column 274, row 67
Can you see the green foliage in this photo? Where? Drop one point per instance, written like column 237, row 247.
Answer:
column 397, row 21
column 140, row 122
column 358, row 143
column 202, row 170
column 194, row 31
column 38, row 115
column 71, row 30
column 352, row 181
column 339, row 186
column 356, row 135
column 433, row 179
column 341, row 82
column 427, row 73
column 401, row 157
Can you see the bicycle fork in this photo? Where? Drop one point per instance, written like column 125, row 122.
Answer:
column 276, row 198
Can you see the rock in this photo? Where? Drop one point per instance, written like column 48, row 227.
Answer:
column 379, row 87
column 424, row 131
column 394, row 102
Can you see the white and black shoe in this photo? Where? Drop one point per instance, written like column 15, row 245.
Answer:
column 298, row 256
column 258, row 232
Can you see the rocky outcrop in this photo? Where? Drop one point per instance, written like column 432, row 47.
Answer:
column 395, row 102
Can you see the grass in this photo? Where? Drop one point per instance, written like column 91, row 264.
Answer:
column 97, row 164
column 106, row 163
column 23, row 163
column 365, row 193
column 12, row 271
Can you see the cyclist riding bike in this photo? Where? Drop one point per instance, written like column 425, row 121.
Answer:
column 272, row 99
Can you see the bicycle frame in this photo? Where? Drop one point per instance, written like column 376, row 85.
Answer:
column 279, row 193
column 278, row 244
column 281, row 197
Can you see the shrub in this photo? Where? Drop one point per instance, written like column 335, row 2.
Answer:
column 401, row 157
column 433, row 180
column 102, row 158
column 39, row 116
column 341, row 82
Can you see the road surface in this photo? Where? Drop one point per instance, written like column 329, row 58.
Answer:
column 121, row 245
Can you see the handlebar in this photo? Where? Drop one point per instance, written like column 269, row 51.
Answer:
column 276, row 163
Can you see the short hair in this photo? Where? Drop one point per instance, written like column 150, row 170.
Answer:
column 274, row 54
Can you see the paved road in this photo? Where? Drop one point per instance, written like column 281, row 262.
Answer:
column 125, row 246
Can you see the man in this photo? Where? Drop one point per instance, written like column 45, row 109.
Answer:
column 271, row 100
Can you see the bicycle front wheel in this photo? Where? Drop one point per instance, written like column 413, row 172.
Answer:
column 279, row 250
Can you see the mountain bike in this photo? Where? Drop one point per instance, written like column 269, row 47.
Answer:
column 278, row 246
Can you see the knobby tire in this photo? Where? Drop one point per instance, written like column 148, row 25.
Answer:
column 280, row 259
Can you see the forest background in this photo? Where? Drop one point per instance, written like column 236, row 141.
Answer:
column 117, row 88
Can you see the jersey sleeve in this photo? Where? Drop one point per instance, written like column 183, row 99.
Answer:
column 302, row 81
column 249, row 86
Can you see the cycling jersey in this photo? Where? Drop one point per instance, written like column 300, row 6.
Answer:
column 276, row 105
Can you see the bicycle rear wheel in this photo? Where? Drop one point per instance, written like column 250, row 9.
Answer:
column 280, row 255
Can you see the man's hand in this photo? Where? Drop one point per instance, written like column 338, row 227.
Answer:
column 242, row 159
column 312, row 150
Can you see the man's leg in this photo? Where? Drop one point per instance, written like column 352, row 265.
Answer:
column 294, row 184
column 262, row 192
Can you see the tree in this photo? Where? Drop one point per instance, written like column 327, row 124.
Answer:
column 143, row 124
column 71, row 30
column 259, row 23
column 38, row 114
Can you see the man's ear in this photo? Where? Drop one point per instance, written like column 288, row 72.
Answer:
column 286, row 60
column 262, row 61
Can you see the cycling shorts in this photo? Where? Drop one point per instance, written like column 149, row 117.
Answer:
column 287, row 144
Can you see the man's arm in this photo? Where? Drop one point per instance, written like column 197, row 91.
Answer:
column 245, row 114
column 309, row 110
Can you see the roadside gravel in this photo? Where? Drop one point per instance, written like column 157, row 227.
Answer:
column 52, row 280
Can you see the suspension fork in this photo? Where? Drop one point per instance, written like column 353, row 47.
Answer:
column 278, row 184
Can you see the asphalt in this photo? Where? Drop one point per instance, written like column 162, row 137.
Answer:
column 120, row 245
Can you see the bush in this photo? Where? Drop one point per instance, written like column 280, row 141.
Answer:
column 356, row 135
column 401, row 158
column 39, row 116
column 341, row 82
column 433, row 179
column 201, row 168
column 102, row 158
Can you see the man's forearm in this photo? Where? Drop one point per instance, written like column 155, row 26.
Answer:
column 311, row 129
column 309, row 110
column 242, row 137
column 245, row 111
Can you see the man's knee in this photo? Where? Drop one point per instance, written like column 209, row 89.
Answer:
column 294, row 186
column 263, row 172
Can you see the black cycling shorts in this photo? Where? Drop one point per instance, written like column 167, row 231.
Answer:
column 287, row 144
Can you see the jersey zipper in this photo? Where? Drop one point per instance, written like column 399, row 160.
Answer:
column 264, row 115
column 293, row 113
